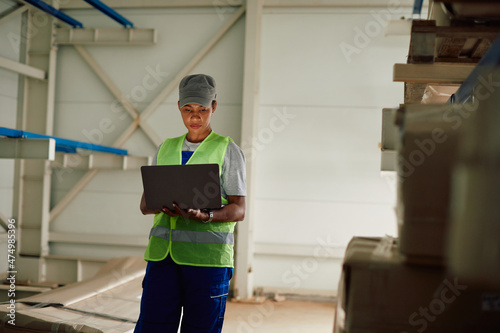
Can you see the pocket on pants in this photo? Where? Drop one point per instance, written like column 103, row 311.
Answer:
column 219, row 290
column 218, row 296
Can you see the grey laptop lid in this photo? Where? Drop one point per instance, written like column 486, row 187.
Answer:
column 189, row 186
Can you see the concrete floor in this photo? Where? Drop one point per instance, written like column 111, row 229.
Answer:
column 288, row 316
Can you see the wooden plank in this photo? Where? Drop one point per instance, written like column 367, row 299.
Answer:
column 432, row 73
column 481, row 48
column 422, row 42
column 462, row 59
column 451, row 47
column 467, row 32
column 453, row 42
column 414, row 92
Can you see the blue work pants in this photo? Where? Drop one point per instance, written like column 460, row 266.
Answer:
column 201, row 293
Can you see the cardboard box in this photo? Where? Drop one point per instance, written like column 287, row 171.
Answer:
column 109, row 302
column 426, row 155
column 380, row 292
column 474, row 244
column 438, row 93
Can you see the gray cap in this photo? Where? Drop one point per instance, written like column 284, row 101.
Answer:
column 198, row 89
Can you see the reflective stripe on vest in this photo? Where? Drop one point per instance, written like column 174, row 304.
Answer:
column 160, row 231
column 191, row 236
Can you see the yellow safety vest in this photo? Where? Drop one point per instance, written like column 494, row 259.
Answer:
column 191, row 242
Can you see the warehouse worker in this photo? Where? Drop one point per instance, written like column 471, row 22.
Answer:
column 190, row 251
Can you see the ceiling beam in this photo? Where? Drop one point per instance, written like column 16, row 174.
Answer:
column 78, row 4
column 335, row 3
column 106, row 36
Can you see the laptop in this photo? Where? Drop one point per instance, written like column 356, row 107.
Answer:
column 189, row 186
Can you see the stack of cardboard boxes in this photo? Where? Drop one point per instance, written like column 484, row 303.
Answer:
column 404, row 284
column 474, row 235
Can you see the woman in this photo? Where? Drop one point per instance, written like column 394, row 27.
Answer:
column 190, row 251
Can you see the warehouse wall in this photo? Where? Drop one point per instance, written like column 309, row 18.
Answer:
column 318, row 181
column 9, row 41
column 322, row 89
column 109, row 204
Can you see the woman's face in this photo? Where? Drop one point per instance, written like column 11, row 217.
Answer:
column 197, row 118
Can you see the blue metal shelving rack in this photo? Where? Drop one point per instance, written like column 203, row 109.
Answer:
column 62, row 145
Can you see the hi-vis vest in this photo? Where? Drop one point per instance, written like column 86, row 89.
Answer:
column 191, row 242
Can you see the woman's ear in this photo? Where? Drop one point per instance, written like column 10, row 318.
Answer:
column 214, row 106
column 179, row 105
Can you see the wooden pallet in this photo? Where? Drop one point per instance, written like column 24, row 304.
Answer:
column 441, row 55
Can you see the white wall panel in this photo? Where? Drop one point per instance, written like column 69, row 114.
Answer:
column 111, row 181
column 320, row 153
column 303, row 63
column 318, row 172
column 327, row 222
column 8, row 88
column 93, row 122
column 296, row 275
column 166, row 121
column 140, row 145
column 76, row 81
column 10, row 38
column 87, row 122
column 104, row 212
column 6, row 178
column 6, row 202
